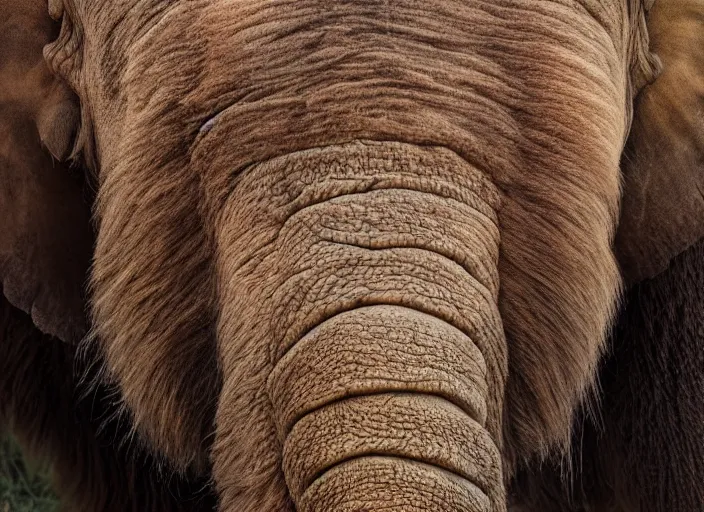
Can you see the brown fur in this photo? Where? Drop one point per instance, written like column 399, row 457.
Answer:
column 152, row 286
column 82, row 439
column 536, row 94
column 644, row 452
column 45, row 248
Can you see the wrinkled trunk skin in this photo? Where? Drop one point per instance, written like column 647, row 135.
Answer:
column 363, row 353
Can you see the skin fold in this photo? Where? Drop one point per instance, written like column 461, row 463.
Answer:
column 358, row 255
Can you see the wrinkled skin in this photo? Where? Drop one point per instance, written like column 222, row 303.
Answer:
column 358, row 255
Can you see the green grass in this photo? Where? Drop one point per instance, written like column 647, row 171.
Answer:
column 23, row 488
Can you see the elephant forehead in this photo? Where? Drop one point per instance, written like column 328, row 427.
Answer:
column 285, row 76
column 496, row 82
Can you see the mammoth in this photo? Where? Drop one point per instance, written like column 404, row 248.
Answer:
column 433, row 255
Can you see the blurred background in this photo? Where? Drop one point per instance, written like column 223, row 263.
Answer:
column 24, row 487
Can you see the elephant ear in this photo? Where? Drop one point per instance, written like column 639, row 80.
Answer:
column 45, row 231
column 663, row 163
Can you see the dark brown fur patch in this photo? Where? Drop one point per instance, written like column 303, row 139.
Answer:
column 93, row 468
column 645, row 450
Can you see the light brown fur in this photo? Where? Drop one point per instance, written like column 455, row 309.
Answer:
column 537, row 95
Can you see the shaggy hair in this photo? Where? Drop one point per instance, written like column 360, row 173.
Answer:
column 80, row 437
column 643, row 452
column 151, row 285
column 537, row 95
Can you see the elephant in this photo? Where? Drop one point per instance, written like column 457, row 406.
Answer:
column 359, row 255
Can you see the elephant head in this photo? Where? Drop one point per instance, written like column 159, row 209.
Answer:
column 356, row 254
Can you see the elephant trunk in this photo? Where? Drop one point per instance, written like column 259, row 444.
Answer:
column 374, row 274
column 385, row 405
